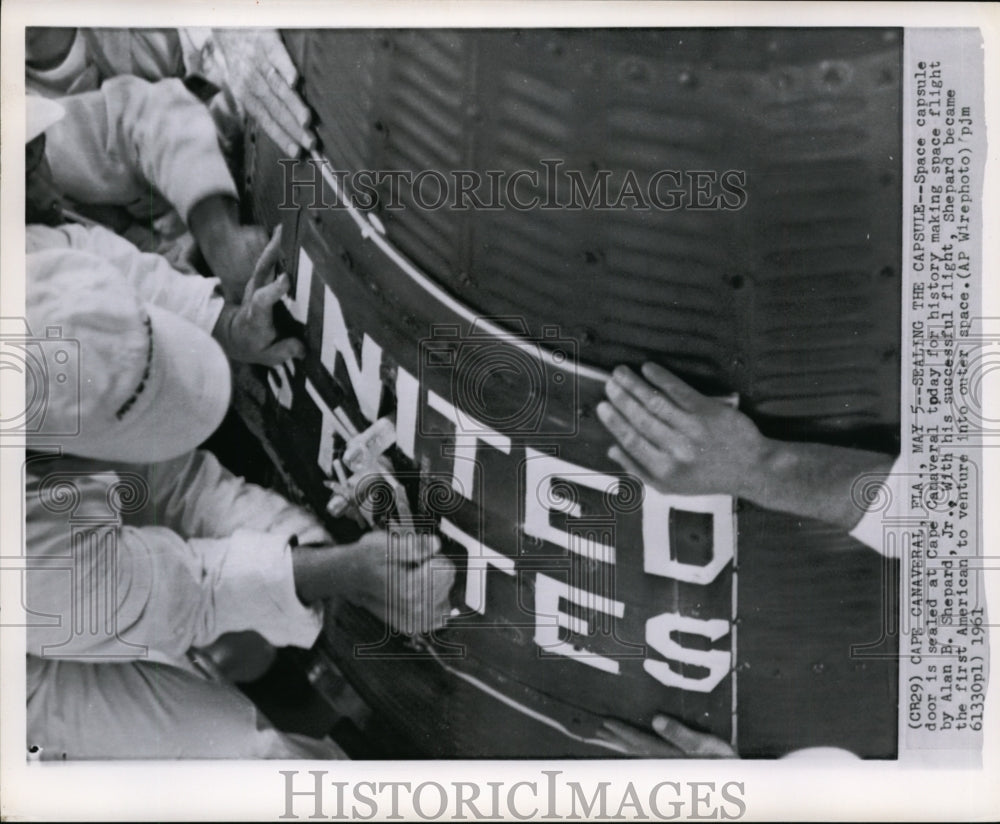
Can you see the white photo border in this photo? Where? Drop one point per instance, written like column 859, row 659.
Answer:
column 867, row 790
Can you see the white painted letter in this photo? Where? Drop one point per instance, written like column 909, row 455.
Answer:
column 407, row 398
column 280, row 383
column 539, row 500
column 365, row 378
column 468, row 432
column 330, row 426
column 658, row 631
column 657, row 555
column 298, row 307
column 481, row 557
column 548, row 591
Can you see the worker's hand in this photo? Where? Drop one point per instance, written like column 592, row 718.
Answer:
column 677, row 440
column 672, row 740
column 247, row 331
column 262, row 78
column 400, row 576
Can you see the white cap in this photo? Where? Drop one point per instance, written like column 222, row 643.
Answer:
column 42, row 113
column 147, row 385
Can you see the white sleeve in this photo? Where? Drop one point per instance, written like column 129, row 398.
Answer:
column 196, row 495
column 116, row 142
column 163, row 592
column 194, row 298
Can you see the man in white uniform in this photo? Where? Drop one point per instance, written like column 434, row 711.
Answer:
column 138, row 157
column 249, row 65
column 144, row 160
column 141, row 549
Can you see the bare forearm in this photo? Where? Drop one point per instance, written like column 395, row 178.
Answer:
column 210, row 220
column 812, row 480
column 321, row 572
column 231, row 249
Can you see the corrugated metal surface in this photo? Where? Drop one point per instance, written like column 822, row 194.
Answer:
column 792, row 301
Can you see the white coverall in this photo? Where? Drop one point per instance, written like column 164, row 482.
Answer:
column 98, row 54
column 154, row 279
column 144, row 563
column 138, row 156
column 207, row 554
column 151, row 54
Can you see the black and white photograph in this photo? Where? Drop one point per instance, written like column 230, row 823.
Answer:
column 603, row 399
